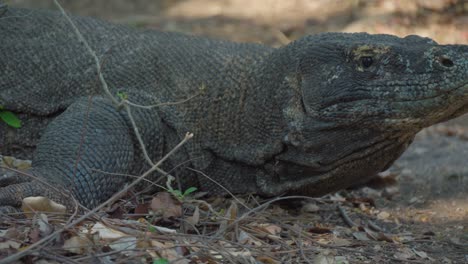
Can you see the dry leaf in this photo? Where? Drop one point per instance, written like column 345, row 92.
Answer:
column 167, row 251
column 267, row 260
column 310, row 208
column 361, row 236
column 404, row 254
column 269, row 228
column 383, row 215
column 341, row 260
column 341, row 242
column 421, row 254
column 106, row 233
column 34, row 235
column 124, row 243
column 32, row 204
column 44, row 227
column 9, row 244
column 9, row 238
column 141, row 209
column 195, row 218
column 246, row 239
column 324, row 259
column 165, row 205
column 77, row 245
column 378, row 236
column 231, row 213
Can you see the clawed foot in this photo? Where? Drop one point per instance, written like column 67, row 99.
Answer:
column 14, row 187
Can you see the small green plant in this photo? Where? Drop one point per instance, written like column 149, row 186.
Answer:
column 9, row 118
column 177, row 193
column 161, row 261
column 152, row 229
column 122, row 95
column 181, row 196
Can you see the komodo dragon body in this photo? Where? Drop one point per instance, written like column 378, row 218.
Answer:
column 320, row 114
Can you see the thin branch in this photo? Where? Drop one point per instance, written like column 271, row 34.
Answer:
column 161, row 104
column 221, row 186
column 345, row 217
column 138, row 136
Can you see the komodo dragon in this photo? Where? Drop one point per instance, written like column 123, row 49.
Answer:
column 320, row 114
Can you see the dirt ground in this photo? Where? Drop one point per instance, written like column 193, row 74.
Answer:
column 420, row 207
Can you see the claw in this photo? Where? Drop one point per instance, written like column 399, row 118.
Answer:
column 9, row 210
column 12, row 195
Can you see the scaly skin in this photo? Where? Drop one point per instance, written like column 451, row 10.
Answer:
column 320, row 114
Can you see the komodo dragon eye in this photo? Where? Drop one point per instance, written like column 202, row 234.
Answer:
column 366, row 61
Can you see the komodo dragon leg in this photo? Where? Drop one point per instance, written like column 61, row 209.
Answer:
column 90, row 137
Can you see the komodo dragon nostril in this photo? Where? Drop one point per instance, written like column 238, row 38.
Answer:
column 445, row 61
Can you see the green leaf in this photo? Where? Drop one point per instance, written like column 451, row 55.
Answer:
column 10, row 118
column 160, row 261
column 190, row 190
column 152, row 229
column 122, row 95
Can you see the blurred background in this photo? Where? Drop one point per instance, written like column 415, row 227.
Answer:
column 276, row 22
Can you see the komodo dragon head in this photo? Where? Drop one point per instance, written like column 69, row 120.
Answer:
column 381, row 80
column 356, row 101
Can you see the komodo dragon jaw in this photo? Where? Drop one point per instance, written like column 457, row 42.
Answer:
column 318, row 115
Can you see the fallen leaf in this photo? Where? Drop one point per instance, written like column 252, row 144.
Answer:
column 246, row 239
column 33, row 204
column 34, row 235
column 165, row 205
column 383, row 215
column 77, row 245
column 9, row 244
column 167, row 251
column 404, row 254
column 378, row 236
column 267, row 260
column 231, row 213
column 324, row 259
column 195, row 218
column 340, row 242
column 124, row 243
column 141, row 209
column 310, row 208
column 421, row 254
column 362, row 236
column 44, row 227
column 341, row 260
column 270, row 229
column 107, row 233
column 164, row 230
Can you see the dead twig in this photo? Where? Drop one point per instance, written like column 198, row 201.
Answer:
column 345, row 217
